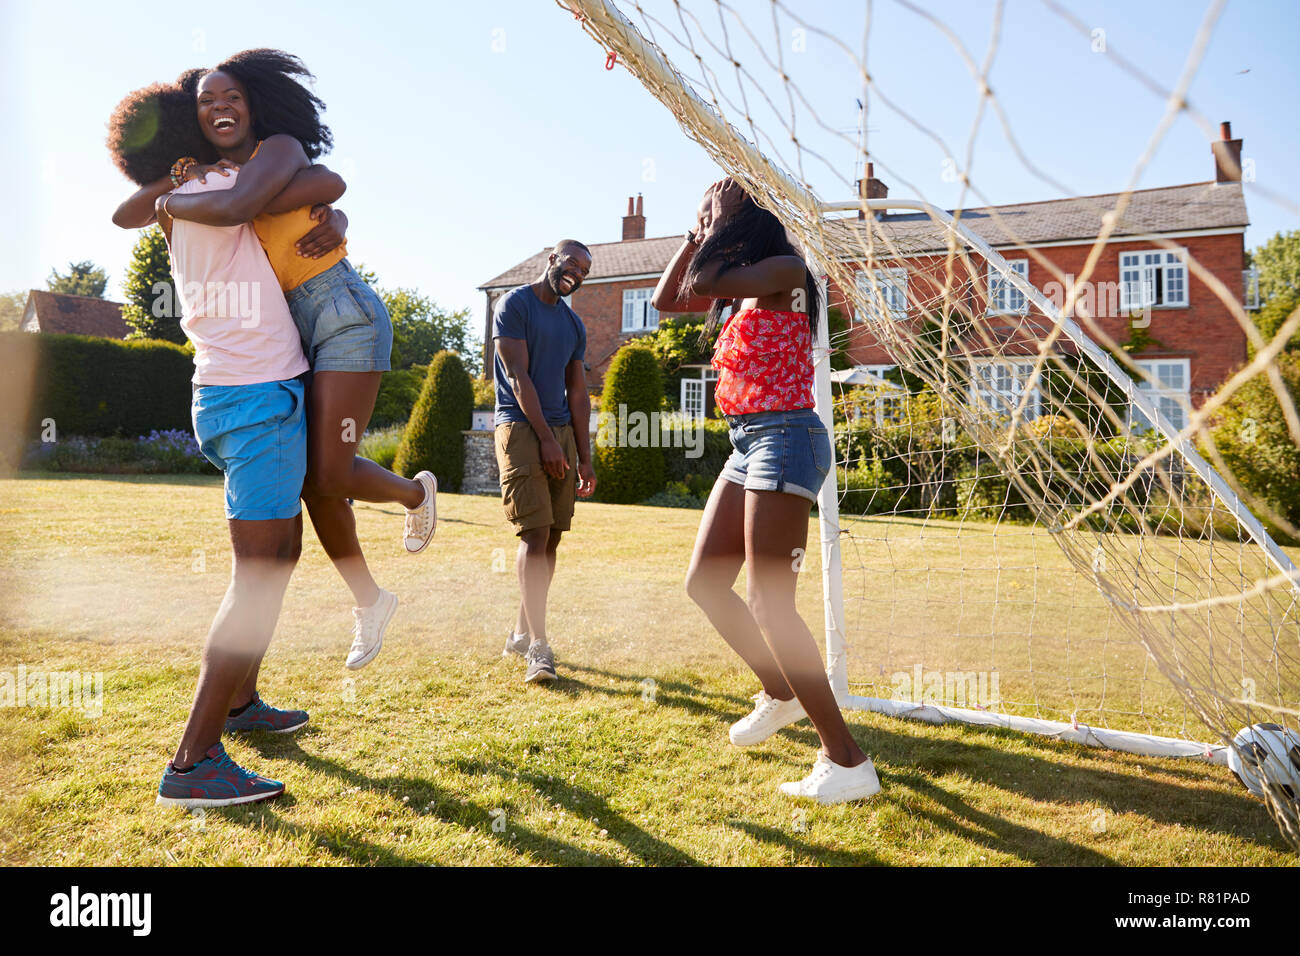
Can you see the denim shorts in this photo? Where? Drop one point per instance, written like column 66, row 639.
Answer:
column 779, row 451
column 342, row 322
column 257, row 436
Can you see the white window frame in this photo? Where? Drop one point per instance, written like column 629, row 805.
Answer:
column 1003, row 295
column 888, row 286
column 1174, row 403
column 707, row 376
column 1145, row 276
column 638, row 314
column 694, row 397
column 1005, row 401
column 1250, row 287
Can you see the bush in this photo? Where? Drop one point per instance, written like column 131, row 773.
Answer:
column 485, row 394
column 624, row 474
column 158, row 453
column 380, row 445
column 97, row 387
column 433, row 440
column 1251, row 435
column 675, row 495
column 696, row 473
column 398, row 392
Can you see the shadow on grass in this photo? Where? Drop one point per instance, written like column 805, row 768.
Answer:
column 1033, row 776
column 583, row 802
column 917, row 764
column 805, row 852
column 427, row 799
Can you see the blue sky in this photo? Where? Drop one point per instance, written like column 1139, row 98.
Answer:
column 474, row 134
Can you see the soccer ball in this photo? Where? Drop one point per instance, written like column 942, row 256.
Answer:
column 1267, row 752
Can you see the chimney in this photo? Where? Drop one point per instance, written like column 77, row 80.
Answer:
column 871, row 188
column 1227, row 156
column 634, row 222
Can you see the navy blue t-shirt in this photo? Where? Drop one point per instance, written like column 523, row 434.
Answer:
column 555, row 337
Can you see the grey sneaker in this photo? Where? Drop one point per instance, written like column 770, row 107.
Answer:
column 516, row 644
column 541, row 664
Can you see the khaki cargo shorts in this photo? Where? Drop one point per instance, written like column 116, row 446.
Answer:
column 532, row 498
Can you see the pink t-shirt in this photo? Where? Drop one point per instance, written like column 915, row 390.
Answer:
column 234, row 311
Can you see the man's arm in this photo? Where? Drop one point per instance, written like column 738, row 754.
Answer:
column 261, row 179
column 514, row 356
column 575, row 385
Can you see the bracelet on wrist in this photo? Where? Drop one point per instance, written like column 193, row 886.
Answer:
column 180, row 168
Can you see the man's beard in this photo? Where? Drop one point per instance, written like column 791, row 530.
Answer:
column 553, row 278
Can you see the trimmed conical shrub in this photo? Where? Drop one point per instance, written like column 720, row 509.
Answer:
column 433, row 440
column 628, row 468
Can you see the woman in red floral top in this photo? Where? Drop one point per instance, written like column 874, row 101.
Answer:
column 739, row 256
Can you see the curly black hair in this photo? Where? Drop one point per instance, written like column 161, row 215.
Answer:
column 277, row 100
column 750, row 235
column 152, row 128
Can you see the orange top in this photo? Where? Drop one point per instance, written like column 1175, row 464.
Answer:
column 277, row 234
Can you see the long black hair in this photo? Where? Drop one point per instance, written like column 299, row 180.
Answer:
column 152, row 128
column 277, row 99
column 750, row 235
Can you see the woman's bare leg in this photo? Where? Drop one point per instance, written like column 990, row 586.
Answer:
column 776, row 532
column 719, row 553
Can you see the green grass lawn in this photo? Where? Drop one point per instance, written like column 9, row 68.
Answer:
column 437, row 753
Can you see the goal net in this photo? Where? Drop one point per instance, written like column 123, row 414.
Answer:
column 1026, row 527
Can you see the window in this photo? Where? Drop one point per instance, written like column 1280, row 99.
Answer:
column 1149, row 279
column 638, row 314
column 1005, row 298
column 1000, row 384
column 1250, row 287
column 1169, row 391
column 884, row 289
column 695, row 393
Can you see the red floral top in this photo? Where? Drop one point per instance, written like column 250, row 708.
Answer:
column 764, row 363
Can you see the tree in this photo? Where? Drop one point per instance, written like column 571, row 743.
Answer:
column 1275, row 312
column 629, row 460
column 432, row 440
column 83, row 278
column 421, row 330
column 1251, row 434
column 152, row 308
column 1278, row 261
column 11, row 310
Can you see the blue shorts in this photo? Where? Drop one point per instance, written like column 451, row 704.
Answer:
column 779, row 451
column 342, row 322
column 257, row 436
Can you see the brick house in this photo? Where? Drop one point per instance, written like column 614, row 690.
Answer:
column 614, row 301
column 1190, row 347
column 60, row 314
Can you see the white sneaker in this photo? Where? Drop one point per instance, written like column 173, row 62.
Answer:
column 831, row 783
column 768, row 716
column 368, row 630
column 422, row 521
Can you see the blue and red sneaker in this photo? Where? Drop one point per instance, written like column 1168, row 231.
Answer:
column 259, row 715
column 215, row 781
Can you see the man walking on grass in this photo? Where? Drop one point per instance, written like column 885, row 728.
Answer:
column 542, row 445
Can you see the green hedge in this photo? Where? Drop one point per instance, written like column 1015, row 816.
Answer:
column 100, row 387
column 398, row 392
column 433, row 439
column 625, row 474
